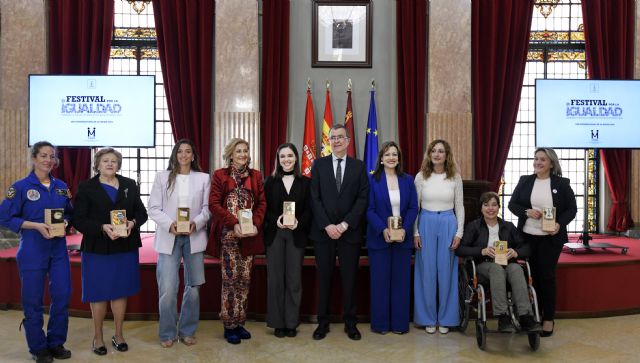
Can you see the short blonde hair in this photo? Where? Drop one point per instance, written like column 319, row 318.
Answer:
column 103, row 152
column 230, row 148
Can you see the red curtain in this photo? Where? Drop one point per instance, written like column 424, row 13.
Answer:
column 609, row 33
column 79, row 43
column 411, row 29
column 185, row 44
column 274, row 99
column 500, row 40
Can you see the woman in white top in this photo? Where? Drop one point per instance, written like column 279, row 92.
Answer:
column 437, row 233
column 182, row 186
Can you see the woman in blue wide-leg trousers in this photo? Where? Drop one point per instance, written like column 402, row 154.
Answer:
column 436, row 271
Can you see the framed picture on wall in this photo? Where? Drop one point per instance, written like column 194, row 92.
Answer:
column 341, row 33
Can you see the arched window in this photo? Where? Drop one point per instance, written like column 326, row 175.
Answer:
column 556, row 50
column 134, row 50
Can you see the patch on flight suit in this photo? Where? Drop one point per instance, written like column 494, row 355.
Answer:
column 64, row 193
column 11, row 193
column 33, row 195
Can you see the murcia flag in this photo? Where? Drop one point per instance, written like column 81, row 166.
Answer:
column 309, row 139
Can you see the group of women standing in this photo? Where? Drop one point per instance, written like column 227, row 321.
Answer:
column 430, row 206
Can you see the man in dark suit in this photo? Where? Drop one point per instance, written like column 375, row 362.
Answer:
column 339, row 193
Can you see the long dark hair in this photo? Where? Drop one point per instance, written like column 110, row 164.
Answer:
column 278, row 172
column 383, row 149
column 174, row 166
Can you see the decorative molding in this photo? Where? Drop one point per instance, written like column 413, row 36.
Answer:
column 13, row 140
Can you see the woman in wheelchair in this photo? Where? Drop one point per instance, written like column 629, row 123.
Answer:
column 477, row 242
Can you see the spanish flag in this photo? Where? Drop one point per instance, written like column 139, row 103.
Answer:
column 327, row 122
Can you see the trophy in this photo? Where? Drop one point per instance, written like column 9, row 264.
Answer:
column 119, row 222
column 549, row 219
column 54, row 218
column 183, row 221
column 396, row 233
column 288, row 214
column 501, row 248
column 245, row 217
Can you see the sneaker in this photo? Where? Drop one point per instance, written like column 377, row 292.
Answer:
column 43, row 356
column 504, row 324
column 430, row 329
column 443, row 329
column 527, row 323
column 60, row 352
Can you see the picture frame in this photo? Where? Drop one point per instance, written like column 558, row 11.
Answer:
column 341, row 34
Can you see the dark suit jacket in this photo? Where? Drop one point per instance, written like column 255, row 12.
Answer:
column 93, row 209
column 563, row 199
column 332, row 207
column 476, row 236
column 221, row 185
column 380, row 209
column 276, row 193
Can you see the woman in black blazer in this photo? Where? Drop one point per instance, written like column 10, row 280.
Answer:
column 285, row 243
column 543, row 189
column 109, row 262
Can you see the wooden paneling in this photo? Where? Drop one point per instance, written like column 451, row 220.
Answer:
column 13, row 146
column 245, row 125
column 456, row 129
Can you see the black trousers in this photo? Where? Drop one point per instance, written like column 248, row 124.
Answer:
column 545, row 251
column 349, row 256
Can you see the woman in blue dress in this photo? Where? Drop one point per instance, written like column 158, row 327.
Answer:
column 110, row 270
column 41, row 255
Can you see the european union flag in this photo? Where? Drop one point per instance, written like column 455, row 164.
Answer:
column 371, row 139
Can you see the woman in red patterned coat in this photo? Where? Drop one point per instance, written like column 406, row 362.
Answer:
column 235, row 188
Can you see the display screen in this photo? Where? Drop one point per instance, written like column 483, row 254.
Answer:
column 93, row 111
column 587, row 113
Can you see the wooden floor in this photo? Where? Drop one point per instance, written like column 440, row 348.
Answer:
column 599, row 340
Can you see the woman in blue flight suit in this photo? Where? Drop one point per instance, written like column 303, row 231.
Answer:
column 40, row 255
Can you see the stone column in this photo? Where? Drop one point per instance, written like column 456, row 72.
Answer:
column 449, row 79
column 237, row 78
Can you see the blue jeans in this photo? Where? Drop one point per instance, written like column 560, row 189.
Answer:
column 167, row 274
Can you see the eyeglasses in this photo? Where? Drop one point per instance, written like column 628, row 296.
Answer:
column 336, row 138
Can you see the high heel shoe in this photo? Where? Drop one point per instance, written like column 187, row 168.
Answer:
column 120, row 347
column 548, row 333
column 98, row 350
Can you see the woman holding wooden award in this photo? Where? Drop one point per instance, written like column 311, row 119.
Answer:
column 179, row 204
column 393, row 207
column 495, row 245
column 286, row 226
column 237, row 204
column 109, row 213
column 544, row 203
column 38, row 207
column 437, row 233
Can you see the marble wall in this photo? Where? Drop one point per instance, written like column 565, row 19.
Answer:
column 237, row 76
column 23, row 51
column 449, row 79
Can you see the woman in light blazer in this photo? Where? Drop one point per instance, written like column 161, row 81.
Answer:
column 182, row 185
column 391, row 193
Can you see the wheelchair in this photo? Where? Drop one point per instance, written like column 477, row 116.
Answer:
column 473, row 299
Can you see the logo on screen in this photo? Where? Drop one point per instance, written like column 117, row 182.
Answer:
column 91, row 134
column 91, row 83
column 594, row 134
